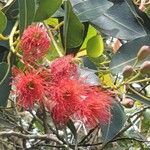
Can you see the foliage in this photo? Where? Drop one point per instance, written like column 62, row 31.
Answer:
column 95, row 50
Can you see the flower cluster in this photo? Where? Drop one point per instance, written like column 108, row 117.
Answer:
column 34, row 43
column 29, row 88
column 66, row 95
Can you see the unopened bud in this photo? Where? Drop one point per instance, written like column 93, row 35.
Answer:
column 145, row 68
column 127, row 71
column 127, row 102
column 143, row 52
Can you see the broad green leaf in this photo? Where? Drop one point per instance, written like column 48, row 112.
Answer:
column 127, row 53
column 88, row 63
column 7, row 5
column 95, row 46
column 73, row 29
column 27, row 10
column 5, row 87
column 89, row 9
column 3, row 21
column 117, row 121
column 46, row 9
column 11, row 10
column 123, row 21
column 91, row 32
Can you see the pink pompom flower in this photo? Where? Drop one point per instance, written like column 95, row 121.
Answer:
column 34, row 43
column 29, row 88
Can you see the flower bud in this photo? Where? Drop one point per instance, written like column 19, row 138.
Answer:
column 127, row 102
column 143, row 52
column 127, row 71
column 145, row 68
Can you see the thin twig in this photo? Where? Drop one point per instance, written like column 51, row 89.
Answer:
column 50, row 137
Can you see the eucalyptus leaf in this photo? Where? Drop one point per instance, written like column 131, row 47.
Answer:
column 123, row 21
column 27, row 9
column 127, row 53
column 46, row 9
column 117, row 121
column 90, row 33
column 95, row 46
column 73, row 29
column 89, row 9
column 5, row 87
column 3, row 21
column 88, row 63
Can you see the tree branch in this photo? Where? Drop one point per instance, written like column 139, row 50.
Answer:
column 49, row 137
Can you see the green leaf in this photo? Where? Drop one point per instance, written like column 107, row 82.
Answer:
column 88, row 63
column 73, row 29
column 46, row 9
column 123, row 20
column 127, row 54
column 90, row 33
column 3, row 21
column 117, row 121
column 5, row 87
column 27, row 9
column 95, row 46
column 89, row 9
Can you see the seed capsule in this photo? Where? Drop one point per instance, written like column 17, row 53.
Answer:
column 143, row 52
column 127, row 102
column 127, row 71
column 145, row 68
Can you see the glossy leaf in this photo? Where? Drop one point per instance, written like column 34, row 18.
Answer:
column 3, row 21
column 95, row 46
column 90, row 33
column 11, row 10
column 89, row 9
column 27, row 9
column 123, row 21
column 88, row 63
column 115, row 124
column 5, row 79
column 127, row 53
column 73, row 29
column 46, row 9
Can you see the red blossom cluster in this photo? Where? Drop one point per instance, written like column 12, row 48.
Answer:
column 64, row 93
column 59, row 87
column 34, row 43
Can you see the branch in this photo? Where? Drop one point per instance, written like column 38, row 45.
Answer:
column 49, row 137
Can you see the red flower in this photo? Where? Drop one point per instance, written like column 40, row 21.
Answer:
column 34, row 43
column 29, row 89
column 95, row 107
column 66, row 95
column 64, row 67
